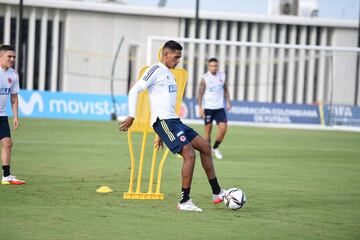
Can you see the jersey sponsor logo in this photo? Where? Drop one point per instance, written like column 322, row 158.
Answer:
column 4, row 91
column 216, row 88
column 9, row 80
column 182, row 138
column 150, row 72
column 27, row 108
column 172, row 88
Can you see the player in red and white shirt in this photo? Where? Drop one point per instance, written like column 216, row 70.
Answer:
column 9, row 86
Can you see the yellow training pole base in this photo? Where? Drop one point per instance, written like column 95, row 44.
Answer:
column 143, row 196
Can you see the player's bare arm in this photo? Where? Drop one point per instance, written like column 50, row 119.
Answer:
column 126, row 123
column 158, row 143
column 200, row 97
column 14, row 107
column 227, row 97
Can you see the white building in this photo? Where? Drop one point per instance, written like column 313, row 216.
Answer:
column 305, row 8
column 70, row 46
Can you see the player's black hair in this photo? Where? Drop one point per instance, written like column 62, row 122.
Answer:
column 173, row 45
column 6, row 48
column 212, row 60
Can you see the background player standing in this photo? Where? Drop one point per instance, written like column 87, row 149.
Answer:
column 181, row 139
column 213, row 89
column 9, row 85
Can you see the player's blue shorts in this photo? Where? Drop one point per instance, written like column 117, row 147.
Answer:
column 218, row 115
column 4, row 127
column 174, row 133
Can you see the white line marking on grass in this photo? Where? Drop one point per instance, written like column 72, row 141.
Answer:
column 295, row 148
column 285, row 126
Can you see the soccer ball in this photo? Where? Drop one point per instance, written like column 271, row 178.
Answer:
column 234, row 198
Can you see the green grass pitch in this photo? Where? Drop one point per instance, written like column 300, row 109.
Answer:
column 300, row 184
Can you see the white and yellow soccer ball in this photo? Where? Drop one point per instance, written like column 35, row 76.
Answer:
column 234, row 198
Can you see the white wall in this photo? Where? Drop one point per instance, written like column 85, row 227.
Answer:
column 91, row 43
column 344, row 67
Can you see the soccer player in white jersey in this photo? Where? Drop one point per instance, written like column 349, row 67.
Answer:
column 9, row 85
column 181, row 139
column 213, row 89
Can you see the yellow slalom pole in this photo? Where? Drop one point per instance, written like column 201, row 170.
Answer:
column 152, row 169
column 132, row 158
column 141, row 161
column 159, row 55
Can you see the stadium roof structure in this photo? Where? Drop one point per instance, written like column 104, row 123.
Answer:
column 111, row 7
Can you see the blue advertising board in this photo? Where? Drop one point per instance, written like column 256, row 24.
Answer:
column 274, row 113
column 39, row 104
column 262, row 112
column 342, row 115
column 42, row 104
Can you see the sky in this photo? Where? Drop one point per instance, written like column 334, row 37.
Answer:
column 335, row 9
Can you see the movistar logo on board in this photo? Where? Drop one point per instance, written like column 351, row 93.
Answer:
column 63, row 105
column 35, row 102
column 60, row 106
